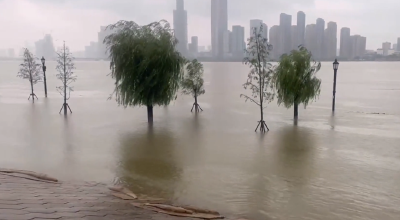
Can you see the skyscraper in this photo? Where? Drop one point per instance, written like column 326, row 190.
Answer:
column 180, row 27
column 294, row 37
column 265, row 31
column 285, row 24
column 237, row 41
column 330, row 41
column 358, row 44
column 301, row 27
column 257, row 23
column 345, row 43
column 311, row 38
column 274, row 41
column 386, row 48
column 193, row 46
column 219, row 26
column 101, row 50
column 45, row 47
column 320, row 29
column 398, row 44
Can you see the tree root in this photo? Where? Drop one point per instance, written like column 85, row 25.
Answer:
column 63, row 106
column 263, row 126
column 198, row 107
column 33, row 95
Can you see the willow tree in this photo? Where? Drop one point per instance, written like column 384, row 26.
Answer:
column 145, row 64
column 30, row 70
column 295, row 79
column 192, row 83
column 259, row 79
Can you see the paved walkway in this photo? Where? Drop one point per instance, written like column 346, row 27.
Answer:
column 22, row 199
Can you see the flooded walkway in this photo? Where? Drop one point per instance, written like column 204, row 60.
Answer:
column 23, row 199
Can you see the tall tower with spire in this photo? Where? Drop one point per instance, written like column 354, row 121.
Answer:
column 181, row 26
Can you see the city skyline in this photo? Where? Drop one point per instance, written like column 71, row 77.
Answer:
column 53, row 17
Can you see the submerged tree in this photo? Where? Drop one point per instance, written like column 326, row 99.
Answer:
column 259, row 79
column 192, row 83
column 65, row 68
column 30, row 70
column 145, row 64
column 295, row 79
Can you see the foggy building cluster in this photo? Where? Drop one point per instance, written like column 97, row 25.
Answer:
column 45, row 47
column 97, row 49
column 389, row 49
column 319, row 38
column 351, row 46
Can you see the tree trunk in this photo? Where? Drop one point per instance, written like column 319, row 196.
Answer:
column 296, row 111
column 196, row 106
column 65, row 84
column 33, row 97
column 150, row 114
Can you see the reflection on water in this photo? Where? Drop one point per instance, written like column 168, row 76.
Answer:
column 148, row 164
column 344, row 166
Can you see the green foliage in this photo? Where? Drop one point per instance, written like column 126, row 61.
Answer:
column 259, row 79
column 144, row 63
column 295, row 78
column 192, row 83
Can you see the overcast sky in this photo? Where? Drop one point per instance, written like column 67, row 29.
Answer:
column 78, row 21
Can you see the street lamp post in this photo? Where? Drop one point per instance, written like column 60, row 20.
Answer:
column 335, row 68
column 44, row 75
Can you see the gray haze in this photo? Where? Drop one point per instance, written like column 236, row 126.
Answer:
column 78, row 21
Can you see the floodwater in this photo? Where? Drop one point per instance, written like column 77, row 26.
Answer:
column 327, row 167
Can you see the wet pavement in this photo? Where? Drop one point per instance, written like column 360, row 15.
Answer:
column 22, row 199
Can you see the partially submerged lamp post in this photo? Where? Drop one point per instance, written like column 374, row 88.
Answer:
column 44, row 75
column 335, row 68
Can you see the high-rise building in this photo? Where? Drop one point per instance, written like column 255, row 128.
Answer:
column 386, row 47
column 398, row 44
column 311, row 38
column 255, row 24
column 301, row 28
column 363, row 46
column 219, row 26
column 320, row 29
column 180, row 27
column 345, row 43
column 194, row 46
column 226, row 42
column 330, row 41
column 358, row 46
column 237, row 41
column 294, row 37
column 91, row 51
column 101, row 51
column 274, row 40
column 45, row 47
column 265, row 31
column 394, row 47
column 285, row 24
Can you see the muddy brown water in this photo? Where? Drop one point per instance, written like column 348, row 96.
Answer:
column 341, row 167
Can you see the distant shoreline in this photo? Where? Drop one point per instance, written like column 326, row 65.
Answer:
column 209, row 61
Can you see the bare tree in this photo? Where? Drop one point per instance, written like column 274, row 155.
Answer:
column 260, row 77
column 65, row 68
column 30, row 70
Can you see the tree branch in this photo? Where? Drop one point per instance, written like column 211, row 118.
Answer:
column 248, row 98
